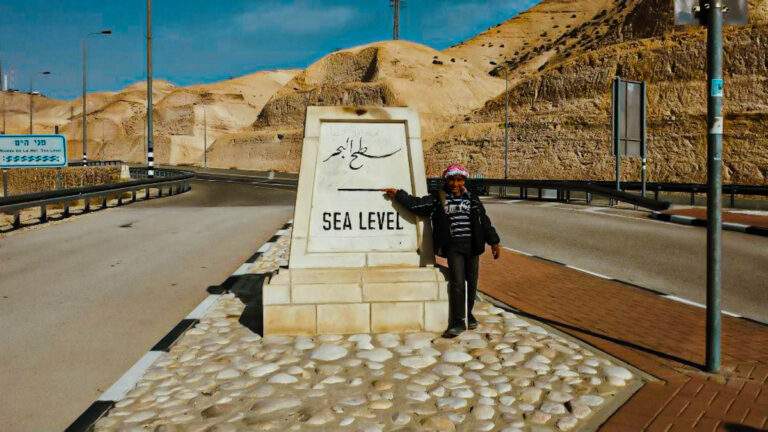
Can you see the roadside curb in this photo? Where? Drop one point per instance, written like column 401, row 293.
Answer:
column 244, row 285
column 634, row 285
column 730, row 226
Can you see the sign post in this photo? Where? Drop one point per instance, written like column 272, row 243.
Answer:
column 713, row 14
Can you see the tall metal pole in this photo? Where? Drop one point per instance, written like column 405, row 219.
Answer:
column 714, row 178
column 205, row 138
column 643, row 137
column 150, row 146
column 506, row 125
column 31, row 107
column 85, row 113
column 396, row 24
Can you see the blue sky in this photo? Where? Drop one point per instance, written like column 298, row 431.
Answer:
column 197, row 41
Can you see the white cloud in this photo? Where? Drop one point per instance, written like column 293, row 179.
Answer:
column 299, row 17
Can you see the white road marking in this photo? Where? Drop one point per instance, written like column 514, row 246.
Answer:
column 265, row 247
column 128, row 381
column 549, row 204
column 589, row 272
column 699, row 305
column 282, row 232
column 512, row 201
column 203, row 307
column 517, row 251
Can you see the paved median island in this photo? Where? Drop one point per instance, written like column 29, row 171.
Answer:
column 511, row 374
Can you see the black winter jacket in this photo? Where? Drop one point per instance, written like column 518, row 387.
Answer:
column 432, row 205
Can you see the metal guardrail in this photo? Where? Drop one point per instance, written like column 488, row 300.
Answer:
column 563, row 189
column 96, row 163
column 174, row 181
column 607, row 189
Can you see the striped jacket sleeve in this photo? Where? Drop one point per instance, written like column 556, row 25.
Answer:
column 422, row 206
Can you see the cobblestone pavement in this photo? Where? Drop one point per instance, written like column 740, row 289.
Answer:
column 511, row 374
column 661, row 337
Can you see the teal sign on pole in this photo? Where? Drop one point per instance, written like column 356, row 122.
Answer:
column 33, row 151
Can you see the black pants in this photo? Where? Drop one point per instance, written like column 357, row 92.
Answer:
column 462, row 269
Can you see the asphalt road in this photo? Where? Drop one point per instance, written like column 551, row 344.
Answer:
column 83, row 299
column 627, row 245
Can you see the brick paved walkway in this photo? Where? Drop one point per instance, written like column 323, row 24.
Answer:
column 742, row 218
column 661, row 337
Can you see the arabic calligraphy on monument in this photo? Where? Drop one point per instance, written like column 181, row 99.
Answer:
column 356, row 151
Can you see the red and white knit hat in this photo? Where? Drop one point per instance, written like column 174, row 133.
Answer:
column 454, row 170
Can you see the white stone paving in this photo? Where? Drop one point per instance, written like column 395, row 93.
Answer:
column 511, row 374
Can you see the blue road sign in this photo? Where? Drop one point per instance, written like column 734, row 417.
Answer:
column 33, row 151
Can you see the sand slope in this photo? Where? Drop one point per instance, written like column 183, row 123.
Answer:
column 560, row 108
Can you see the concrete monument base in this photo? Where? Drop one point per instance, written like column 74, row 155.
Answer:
column 355, row 300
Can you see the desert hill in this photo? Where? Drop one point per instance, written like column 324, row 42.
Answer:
column 117, row 120
column 560, row 108
column 395, row 73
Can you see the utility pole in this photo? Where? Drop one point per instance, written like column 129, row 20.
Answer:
column 150, row 146
column 506, row 125
column 85, row 91
column 31, row 98
column 205, row 138
column 396, row 18
column 714, row 13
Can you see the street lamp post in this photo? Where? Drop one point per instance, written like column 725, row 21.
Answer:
column 150, row 145
column 506, row 127
column 31, row 97
column 85, row 90
column 205, row 138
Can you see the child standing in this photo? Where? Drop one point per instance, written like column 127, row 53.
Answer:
column 460, row 230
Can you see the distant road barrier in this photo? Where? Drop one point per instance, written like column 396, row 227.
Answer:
column 171, row 180
column 563, row 189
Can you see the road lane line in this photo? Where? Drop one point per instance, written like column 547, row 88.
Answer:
column 517, row 251
column 589, row 272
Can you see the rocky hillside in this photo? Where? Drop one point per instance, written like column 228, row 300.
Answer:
column 560, row 100
column 396, row 73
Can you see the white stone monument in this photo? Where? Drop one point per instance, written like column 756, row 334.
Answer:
column 359, row 263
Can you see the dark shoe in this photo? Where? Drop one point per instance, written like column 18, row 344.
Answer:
column 452, row 332
column 216, row 289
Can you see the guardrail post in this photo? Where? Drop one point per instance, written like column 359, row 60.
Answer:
column 87, row 205
column 539, row 189
column 733, row 197
column 120, row 199
column 65, row 213
column 146, row 196
column 693, row 198
column 159, row 191
column 43, row 214
column 589, row 198
column 103, row 202
column 656, row 194
column 133, row 196
column 17, row 220
column 568, row 196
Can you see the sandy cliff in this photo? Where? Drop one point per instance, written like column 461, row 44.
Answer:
column 560, row 101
